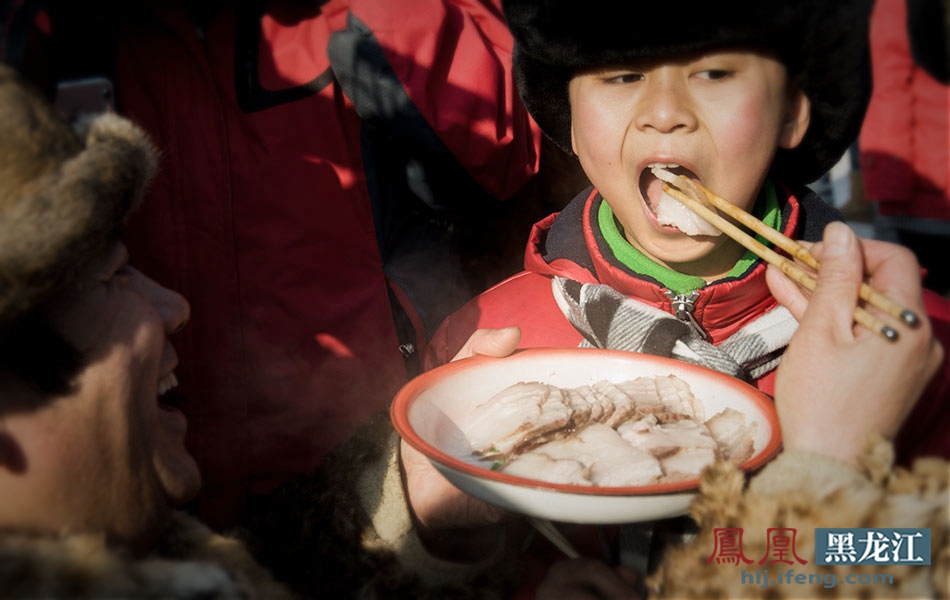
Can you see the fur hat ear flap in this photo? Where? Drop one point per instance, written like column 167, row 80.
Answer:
column 67, row 194
column 118, row 159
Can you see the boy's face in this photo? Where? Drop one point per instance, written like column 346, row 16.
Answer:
column 720, row 116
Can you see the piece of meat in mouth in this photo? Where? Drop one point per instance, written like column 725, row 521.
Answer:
column 669, row 210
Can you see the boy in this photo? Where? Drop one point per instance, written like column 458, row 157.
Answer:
column 752, row 99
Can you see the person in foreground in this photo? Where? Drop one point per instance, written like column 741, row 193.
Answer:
column 92, row 462
column 741, row 96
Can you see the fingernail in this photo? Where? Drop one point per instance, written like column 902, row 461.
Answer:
column 837, row 239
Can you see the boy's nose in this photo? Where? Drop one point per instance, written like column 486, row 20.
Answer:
column 664, row 106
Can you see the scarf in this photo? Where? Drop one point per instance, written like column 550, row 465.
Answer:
column 608, row 319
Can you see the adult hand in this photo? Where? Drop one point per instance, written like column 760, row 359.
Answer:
column 838, row 381
column 587, row 579
column 436, row 503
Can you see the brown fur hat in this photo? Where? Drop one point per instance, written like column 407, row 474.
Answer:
column 64, row 192
column 824, row 44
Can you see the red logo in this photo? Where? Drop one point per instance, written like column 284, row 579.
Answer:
column 780, row 546
column 728, row 546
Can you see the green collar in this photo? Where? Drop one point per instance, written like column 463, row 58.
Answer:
column 766, row 209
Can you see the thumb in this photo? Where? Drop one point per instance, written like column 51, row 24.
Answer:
column 491, row 342
column 839, row 279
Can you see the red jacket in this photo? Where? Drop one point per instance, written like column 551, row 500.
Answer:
column 299, row 192
column 567, row 245
column 905, row 141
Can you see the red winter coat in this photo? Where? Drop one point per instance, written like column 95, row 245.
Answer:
column 905, row 140
column 567, row 245
column 301, row 188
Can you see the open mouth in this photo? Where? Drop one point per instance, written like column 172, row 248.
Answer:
column 667, row 210
column 169, row 397
column 651, row 187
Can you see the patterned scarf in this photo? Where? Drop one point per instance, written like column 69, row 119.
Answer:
column 608, row 319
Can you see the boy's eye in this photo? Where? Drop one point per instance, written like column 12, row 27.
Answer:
column 715, row 74
column 624, row 78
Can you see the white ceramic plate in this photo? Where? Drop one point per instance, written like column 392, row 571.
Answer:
column 427, row 410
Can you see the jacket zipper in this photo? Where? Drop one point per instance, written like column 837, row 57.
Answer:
column 683, row 306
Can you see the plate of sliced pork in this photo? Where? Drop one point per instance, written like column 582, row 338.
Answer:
column 584, row 435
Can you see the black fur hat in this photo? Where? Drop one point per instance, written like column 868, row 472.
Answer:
column 823, row 43
column 64, row 192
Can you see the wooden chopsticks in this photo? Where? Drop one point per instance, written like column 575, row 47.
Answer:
column 548, row 530
column 793, row 271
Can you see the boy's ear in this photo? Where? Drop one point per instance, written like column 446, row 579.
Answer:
column 796, row 123
column 573, row 143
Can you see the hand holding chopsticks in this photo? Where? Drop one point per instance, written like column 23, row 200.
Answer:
column 793, row 271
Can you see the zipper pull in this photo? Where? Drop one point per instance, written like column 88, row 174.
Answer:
column 683, row 306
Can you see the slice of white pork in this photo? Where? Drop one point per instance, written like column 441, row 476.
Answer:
column 670, row 211
column 606, row 457
column 733, row 434
column 624, row 408
column 683, row 447
column 678, row 398
column 537, row 465
column 516, row 415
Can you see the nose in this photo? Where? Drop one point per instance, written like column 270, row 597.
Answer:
column 174, row 310
column 172, row 307
column 664, row 105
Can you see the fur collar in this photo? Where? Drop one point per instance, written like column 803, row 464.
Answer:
column 190, row 561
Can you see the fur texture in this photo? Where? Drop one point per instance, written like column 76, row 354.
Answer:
column 63, row 192
column 804, row 492
column 189, row 562
column 824, row 43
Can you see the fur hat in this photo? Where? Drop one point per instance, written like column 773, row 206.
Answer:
column 64, row 192
column 823, row 43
